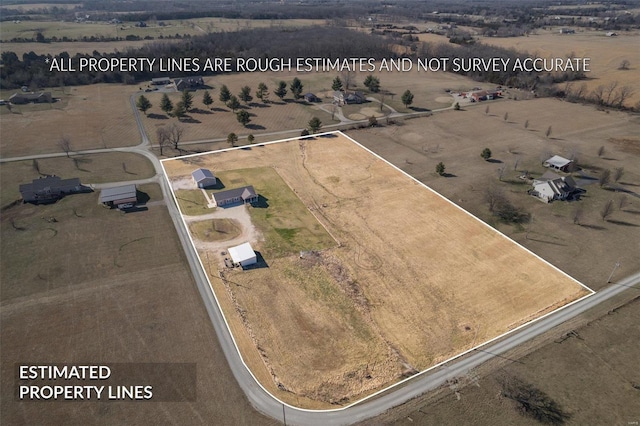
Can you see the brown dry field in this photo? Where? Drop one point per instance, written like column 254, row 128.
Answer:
column 591, row 375
column 95, row 116
column 72, row 47
column 606, row 54
column 92, row 293
column 404, row 302
column 456, row 138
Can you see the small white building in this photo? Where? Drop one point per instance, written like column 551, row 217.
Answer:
column 243, row 255
column 203, row 178
column 558, row 163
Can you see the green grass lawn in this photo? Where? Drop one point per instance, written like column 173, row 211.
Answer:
column 192, row 202
column 286, row 223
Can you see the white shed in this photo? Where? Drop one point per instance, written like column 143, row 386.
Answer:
column 243, row 254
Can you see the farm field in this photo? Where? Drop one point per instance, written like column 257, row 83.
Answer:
column 594, row 361
column 73, row 47
column 96, row 116
column 588, row 251
column 86, row 289
column 606, row 54
column 169, row 28
column 384, row 294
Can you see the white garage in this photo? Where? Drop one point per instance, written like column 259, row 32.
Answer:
column 243, row 255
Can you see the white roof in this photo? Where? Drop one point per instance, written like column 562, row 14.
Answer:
column 558, row 161
column 241, row 253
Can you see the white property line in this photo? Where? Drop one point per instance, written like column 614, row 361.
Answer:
column 392, row 386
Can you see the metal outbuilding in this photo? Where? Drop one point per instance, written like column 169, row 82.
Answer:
column 119, row 195
column 243, row 255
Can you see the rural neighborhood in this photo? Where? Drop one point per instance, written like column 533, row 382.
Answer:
column 319, row 212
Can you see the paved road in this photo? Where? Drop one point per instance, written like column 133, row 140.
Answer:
column 373, row 406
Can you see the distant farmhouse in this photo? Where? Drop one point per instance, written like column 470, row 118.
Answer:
column 188, row 83
column 244, row 195
column 204, row 178
column 484, row 95
column 567, row 31
column 311, row 97
column 243, row 255
column 119, row 196
column 342, row 98
column 552, row 187
column 559, row 163
column 50, row 189
column 160, row 81
column 36, row 98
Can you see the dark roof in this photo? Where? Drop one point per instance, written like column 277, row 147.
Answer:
column 202, row 174
column 244, row 192
column 50, row 183
column 31, row 96
column 118, row 193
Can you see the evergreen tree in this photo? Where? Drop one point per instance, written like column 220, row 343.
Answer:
column 281, row 91
column 179, row 111
column 243, row 117
column 233, row 103
column 407, row 98
column 296, row 88
column 187, row 100
column 262, row 93
column 440, row 168
column 486, row 153
column 165, row 104
column 372, row 83
column 245, row 94
column 225, row 94
column 232, row 138
column 207, row 100
column 143, row 104
column 315, row 124
column 337, row 84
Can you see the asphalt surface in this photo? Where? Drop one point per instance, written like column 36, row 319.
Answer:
column 376, row 404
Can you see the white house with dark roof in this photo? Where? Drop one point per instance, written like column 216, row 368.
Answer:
column 551, row 187
column 204, row 178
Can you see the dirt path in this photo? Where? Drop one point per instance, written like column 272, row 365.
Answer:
column 238, row 213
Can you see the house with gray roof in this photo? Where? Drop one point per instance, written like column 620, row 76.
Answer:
column 25, row 98
column 49, row 189
column 244, row 195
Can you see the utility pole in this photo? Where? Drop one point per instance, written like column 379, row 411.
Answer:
column 612, row 272
column 284, row 416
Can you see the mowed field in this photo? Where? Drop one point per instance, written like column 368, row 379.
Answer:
column 414, row 280
column 86, row 289
column 587, row 251
column 95, row 116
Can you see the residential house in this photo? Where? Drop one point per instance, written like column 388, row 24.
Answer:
column 160, row 81
column 551, row 187
column 50, row 189
column 244, row 195
column 188, row 83
column 342, row 98
column 310, row 97
column 25, row 98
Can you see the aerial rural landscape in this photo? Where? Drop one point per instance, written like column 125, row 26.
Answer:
column 319, row 212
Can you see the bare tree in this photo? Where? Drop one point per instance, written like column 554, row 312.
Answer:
column 604, row 178
column 493, row 196
column 622, row 94
column 506, row 116
column 577, row 215
column 622, row 202
column 175, row 134
column 617, row 174
column 624, row 65
column 35, row 166
column 64, row 143
column 609, row 91
column 348, row 77
column 526, row 124
column 501, row 171
column 162, row 134
column 600, row 151
column 515, row 163
column 548, row 132
column 598, row 94
column 607, row 210
column 486, row 110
